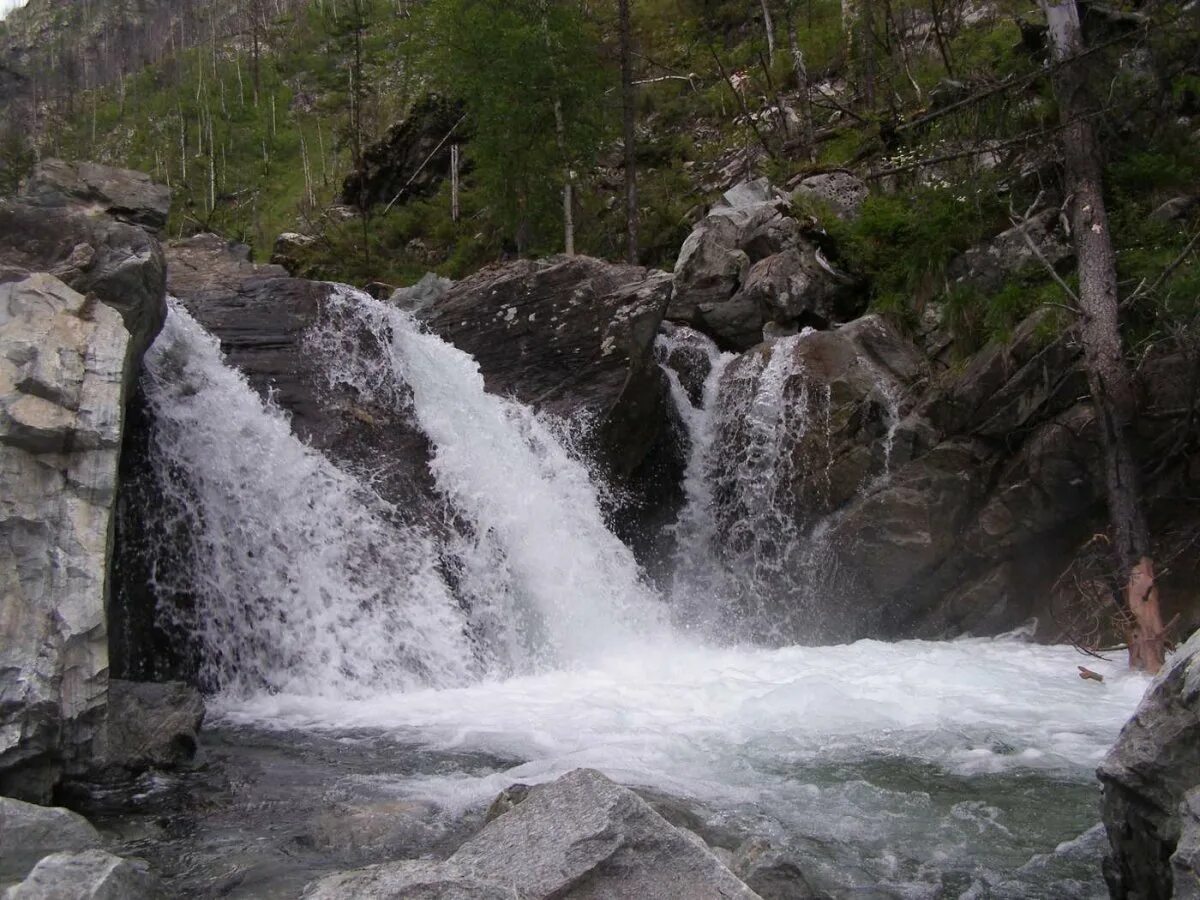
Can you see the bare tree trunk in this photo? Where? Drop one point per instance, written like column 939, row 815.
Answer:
column 629, row 116
column 801, row 70
column 769, row 27
column 1108, row 375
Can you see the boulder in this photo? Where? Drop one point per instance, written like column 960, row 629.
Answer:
column 1185, row 861
column 1147, row 775
column 29, row 832
column 772, row 873
column 411, row 159
column 987, row 266
column 416, row 297
column 152, row 724
column 63, row 371
column 581, row 836
column 120, row 264
column 122, row 194
column 290, row 250
column 800, row 288
column 90, row 874
column 843, row 193
column 573, row 337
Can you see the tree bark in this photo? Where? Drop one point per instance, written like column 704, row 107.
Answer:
column 1109, row 377
column 802, row 85
column 769, row 27
column 629, row 123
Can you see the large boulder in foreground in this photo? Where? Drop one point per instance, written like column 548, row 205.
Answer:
column 29, row 832
column 581, row 836
column 90, row 874
column 63, row 360
column 1147, row 776
column 570, row 336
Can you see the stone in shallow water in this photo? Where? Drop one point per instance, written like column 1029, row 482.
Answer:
column 91, row 874
column 581, row 836
column 28, row 832
column 152, row 724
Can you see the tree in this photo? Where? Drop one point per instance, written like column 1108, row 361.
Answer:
column 530, row 74
column 16, row 157
column 1109, row 377
column 629, row 131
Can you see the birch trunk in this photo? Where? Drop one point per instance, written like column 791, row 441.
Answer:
column 1109, row 377
column 629, row 123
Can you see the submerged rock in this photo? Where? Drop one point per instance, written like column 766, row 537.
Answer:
column 29, row 832
column 581, row 836
column 1149, row 778
column 90, row 874
column 63, row 370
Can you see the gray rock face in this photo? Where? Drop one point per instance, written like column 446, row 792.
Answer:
column 152, row 725
column 1185, row 861
column 581, row 836
column 840, row 191
column 29, row 832
column 573, row 337
column 989, row 264
column 119, row 263
column 418, row 296
column 749, row 263
column 88, row 875
column 1147, row 776
column 62, row 375
column 123, row 194
column 289, row 251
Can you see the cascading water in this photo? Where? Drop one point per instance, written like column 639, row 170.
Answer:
column 521, row 640
column 302, row 581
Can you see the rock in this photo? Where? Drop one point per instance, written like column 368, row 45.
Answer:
column 507, row 799
column 842, row 192
column 416, row 297
column 749, row 193
column 123, row 194
column 1147, row 775
column 987, row 266
column 581, row 836
column 29, row 832
column 290, row 251
column 63, row 371
column 411, row 159
column 93, row 254
column 771, row 873
column 1177, row 209
column 151, row 724
column 90, row 874
column 1185, row 861
column 572, row 337
column 799, row 288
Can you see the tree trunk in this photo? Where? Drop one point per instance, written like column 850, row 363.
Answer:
column 1108, row 375
column 769, row 27
column 629, row 116
column 801, row 70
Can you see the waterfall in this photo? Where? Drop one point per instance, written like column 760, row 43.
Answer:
column 300, row 577
column 304, row 580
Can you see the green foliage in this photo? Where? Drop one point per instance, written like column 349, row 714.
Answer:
column 16, row 157
column 531, row 77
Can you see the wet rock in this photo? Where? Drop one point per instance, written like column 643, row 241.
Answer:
column 771, row 873
column 120, row 264
column 91, row 874
column 580, row 836
column 1185, row 861
column 840, row 191
column 572, row 337
column 506, row 800
column 29, row 832
column 122, row 194
column 63, row 370
column 152, row 725
column 411, row 159
column 1148, row 774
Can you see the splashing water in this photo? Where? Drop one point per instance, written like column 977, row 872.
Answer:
column 302, row 580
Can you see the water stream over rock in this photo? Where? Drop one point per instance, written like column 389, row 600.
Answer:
column 402, row 666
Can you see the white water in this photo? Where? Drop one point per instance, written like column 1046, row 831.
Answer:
column 871, row 759
column 302, row 581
